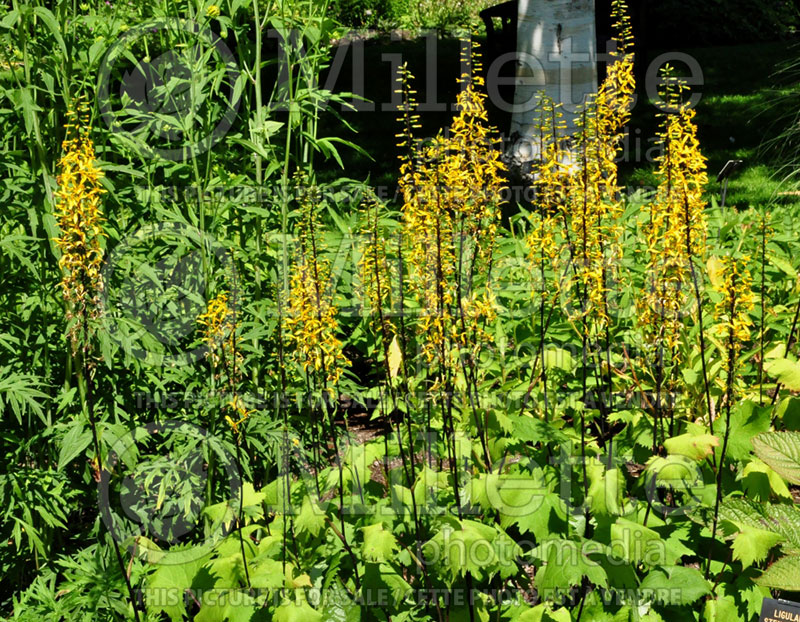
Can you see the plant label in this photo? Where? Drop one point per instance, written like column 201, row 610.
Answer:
column 779, row 611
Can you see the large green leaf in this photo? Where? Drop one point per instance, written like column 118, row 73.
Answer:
column 310, row 518
column 606, row 490
column 694, row 446
column 526, row 501
column 532, row 430
column 721, row 609
column 544, row 613
column 382, row 579
column 784, row 574
column 785, row 370
column 675, row 585
column 565, row 565
column 781, row 519
column 636, row 544
column 297, row 612
column 230, row 605
column 168, row 583
column 338, row 606
column 747, row 420
column 781, row 451
column 379, row 544
column 752, row 545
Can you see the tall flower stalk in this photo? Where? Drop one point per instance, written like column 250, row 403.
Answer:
column 311, row 323
column 80, row 221
column 732, row 325
column 550, row 176
column 592, row 205
column 451, row 188
column 312, row 330
column 219, row 324
column 675, row 233
column 765, row 232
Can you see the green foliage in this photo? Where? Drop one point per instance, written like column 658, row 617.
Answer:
column 424, row 14
column 546, row 461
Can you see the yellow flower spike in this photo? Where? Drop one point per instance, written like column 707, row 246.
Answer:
column 80, row 219
column 451, row 187
column 219, row 335
column 676, row 228
column 374, row 267
column 587, row 193
column 731, row 313
column 311, row 321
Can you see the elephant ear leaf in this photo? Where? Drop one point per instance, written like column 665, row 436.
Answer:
column 781, row 451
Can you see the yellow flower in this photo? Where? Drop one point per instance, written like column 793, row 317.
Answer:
column 374, row 264
column 219, row 334
column 676, row 227
column 80, row 220
column 238, row 408
column 212, row 10
column 451, row 190
column 731, row 313
column 592, row 205
column 550, row 179
column 311, row 321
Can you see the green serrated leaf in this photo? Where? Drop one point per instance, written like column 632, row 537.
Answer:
column 784, row 574
column 74, row 443
column 297, row 612
column 311, row 518
column 694, row 446
column 752, row 545
column 675, row 585
column 379, row 544
column 781, row 451
column 566, row 564
column 786, row 371
column 636, row 543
